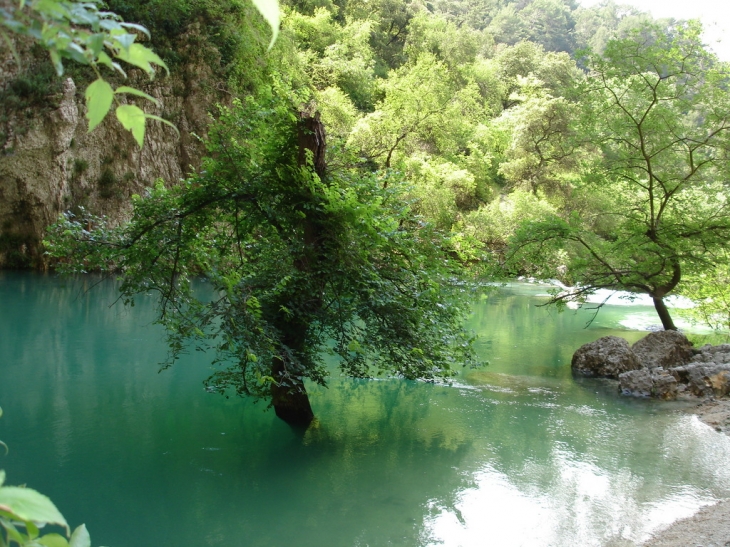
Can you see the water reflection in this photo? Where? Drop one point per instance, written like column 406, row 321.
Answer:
column 517, row 453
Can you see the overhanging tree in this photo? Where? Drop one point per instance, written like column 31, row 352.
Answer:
column 301, row 261
column 658, row 118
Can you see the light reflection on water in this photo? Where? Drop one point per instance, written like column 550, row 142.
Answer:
column 583, row 504
column 517, row 453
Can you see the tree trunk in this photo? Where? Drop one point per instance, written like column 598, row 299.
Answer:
column 289, row 398
column 660, row 292
column 288, row 394
column 661, row 309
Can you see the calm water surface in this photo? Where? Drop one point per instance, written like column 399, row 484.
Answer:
column 515, row 454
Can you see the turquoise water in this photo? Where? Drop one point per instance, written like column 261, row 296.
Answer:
column 515, row 454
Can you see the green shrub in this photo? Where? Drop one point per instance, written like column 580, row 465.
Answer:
column 108, row 184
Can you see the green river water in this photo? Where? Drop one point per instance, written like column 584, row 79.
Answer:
column 515, row 454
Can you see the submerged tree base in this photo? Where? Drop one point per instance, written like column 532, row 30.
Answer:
column 291, row 404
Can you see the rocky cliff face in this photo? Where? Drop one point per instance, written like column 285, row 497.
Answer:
column 50, row 164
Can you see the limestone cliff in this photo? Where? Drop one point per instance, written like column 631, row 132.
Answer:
column 49, row 163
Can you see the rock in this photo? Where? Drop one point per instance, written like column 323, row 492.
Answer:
column 661, row 365
column 665, row 385
column 708, row 373
column 712, row 354
column 606, row 357
column 648, row 383
column 637, row 383
column 50, row 163
column 666, row 349
column 705, row 379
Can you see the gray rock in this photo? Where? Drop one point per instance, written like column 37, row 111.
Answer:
column 648, row 383
column 665, row 385
column 712, row 354
column 637, row 383
column 704, row 379
column 666, row 349
column 661, row 365
column 606, row 357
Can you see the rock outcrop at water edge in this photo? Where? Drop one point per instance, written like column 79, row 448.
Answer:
column 662, row 365
column 708, row 372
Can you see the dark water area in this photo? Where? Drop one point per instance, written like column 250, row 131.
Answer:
column 517, row 453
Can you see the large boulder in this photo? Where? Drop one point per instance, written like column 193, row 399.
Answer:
column 665, row 349
column 606, row 357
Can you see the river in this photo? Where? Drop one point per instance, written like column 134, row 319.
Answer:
column 517, row 453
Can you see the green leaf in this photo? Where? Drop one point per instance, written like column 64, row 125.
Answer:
column 96, row 43
column 133, row 119
column 99, row 97
column 137, row 92
column 32, row 529
column 76, row 52
column 57, row 63
column 269, row 9
column 125, row 40
column 13, row 534
column 53, row 540
column 109, row 25
column 135, row 26
column 142, row 57
column 2, row 477
column 80, row 537
column 28, row 505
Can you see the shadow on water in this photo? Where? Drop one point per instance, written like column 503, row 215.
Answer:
column 517, row 452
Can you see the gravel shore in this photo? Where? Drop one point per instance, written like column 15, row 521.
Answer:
column 710, row 527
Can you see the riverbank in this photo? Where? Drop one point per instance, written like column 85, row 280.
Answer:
column 715, row 413
column 710, row 527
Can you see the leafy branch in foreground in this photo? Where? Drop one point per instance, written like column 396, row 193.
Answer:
column 81, row 32
column 301, row 262
column 84, row 33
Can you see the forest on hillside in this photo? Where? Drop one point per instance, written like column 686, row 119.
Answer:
column 587, row 145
